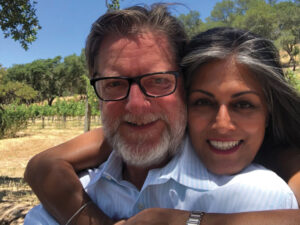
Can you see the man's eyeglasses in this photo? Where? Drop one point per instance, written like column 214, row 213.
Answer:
column 153, row 85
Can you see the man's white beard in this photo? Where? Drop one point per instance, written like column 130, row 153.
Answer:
column 140, row 153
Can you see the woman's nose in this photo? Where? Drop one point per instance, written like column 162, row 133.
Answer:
column 223, row 121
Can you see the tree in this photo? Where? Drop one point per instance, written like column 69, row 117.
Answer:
column 260, row 18
column 18, row 20
column 42, row 75
column 192, row 22
column 112, row 4
column 11, row 92
column 223, row 13
column 51, row 77
column 2, row 72
column 288, row 16
column 16, row 92
column 71, row 71
column 272, row 2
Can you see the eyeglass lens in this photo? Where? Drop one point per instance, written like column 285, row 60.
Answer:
column 152, row 85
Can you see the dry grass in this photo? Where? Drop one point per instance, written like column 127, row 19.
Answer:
column 16, row 197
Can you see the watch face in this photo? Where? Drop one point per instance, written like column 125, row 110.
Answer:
column 195, row 218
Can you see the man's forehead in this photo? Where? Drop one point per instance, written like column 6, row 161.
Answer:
column 147, row 52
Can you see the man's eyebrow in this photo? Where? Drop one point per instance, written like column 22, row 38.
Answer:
column 244, row 93
column 203, row 92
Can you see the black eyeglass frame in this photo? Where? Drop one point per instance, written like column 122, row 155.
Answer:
column 137, row 81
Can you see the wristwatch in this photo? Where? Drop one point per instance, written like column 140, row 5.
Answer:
column 195, row 218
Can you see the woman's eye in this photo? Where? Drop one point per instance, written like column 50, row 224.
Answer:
column 243, row 105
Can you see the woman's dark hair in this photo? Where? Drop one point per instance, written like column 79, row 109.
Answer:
column 261, row 57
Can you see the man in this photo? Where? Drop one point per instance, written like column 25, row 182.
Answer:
column 132, row 57
column 144, row 119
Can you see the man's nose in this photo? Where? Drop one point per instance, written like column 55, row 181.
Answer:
column 136, row 101
column 223, row 121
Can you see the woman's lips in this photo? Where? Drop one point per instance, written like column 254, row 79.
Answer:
column 224, row 147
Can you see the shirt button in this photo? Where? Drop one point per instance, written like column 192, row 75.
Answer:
column 140, row 206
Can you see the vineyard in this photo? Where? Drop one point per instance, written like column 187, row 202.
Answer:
column 15, row 117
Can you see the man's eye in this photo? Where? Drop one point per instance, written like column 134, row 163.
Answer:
column 114, row 84
column 159, row 81
column 203, row 102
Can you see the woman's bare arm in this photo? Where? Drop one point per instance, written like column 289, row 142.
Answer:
column 51, row 175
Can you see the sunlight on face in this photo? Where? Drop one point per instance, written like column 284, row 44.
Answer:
column 226, row 115
column 144, row 130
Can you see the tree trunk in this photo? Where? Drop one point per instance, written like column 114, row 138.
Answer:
column 43, row 122
column 50, row 101
column 87, row 116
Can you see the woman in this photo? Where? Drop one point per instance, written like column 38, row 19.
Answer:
column 257, row 112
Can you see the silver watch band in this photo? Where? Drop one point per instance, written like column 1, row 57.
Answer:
column 195, row 218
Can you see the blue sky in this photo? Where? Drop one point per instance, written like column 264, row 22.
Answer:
column 66, row 23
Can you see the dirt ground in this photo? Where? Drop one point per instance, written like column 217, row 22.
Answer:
column 16, row 197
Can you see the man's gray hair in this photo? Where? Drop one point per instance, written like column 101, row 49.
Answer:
column 261, row 57
column 134, row 20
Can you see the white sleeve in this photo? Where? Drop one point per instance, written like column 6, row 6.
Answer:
column 39, row 216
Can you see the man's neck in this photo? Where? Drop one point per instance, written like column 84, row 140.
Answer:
column 137, row 175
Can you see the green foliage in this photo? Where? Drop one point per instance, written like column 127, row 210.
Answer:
column 293, row 79
column 2, row 72
column 272, row 2
column 70, row 73
column 15, row 117
column 259, row 19
column 16, row 92
column 277, row 21
column 61, row 108
column 18, row 20
column 192, row 23
column 51, row 77
column 223, row 12
column 112, row 4
column 12, row 119
column 288, row 16
column 42, row 75
column 93, row 100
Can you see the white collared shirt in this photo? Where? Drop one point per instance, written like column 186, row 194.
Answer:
column 184, row 183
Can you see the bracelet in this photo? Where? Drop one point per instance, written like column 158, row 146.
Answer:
column 78, row 211
column 195, row 218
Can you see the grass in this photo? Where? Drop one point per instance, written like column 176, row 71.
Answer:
column 16, row 197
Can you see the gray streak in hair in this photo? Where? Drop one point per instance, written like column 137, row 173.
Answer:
column 261, row 57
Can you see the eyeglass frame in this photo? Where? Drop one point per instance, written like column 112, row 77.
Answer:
column 134, row 80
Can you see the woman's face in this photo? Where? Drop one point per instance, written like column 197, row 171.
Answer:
column 227, row 115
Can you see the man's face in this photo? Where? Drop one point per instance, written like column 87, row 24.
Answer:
column 144, row 130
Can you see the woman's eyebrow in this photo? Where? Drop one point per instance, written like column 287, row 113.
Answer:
column 203, row 92
column 244, row 93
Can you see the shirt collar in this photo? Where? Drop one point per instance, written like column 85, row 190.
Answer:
column 111, row 169
column 185, row 168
